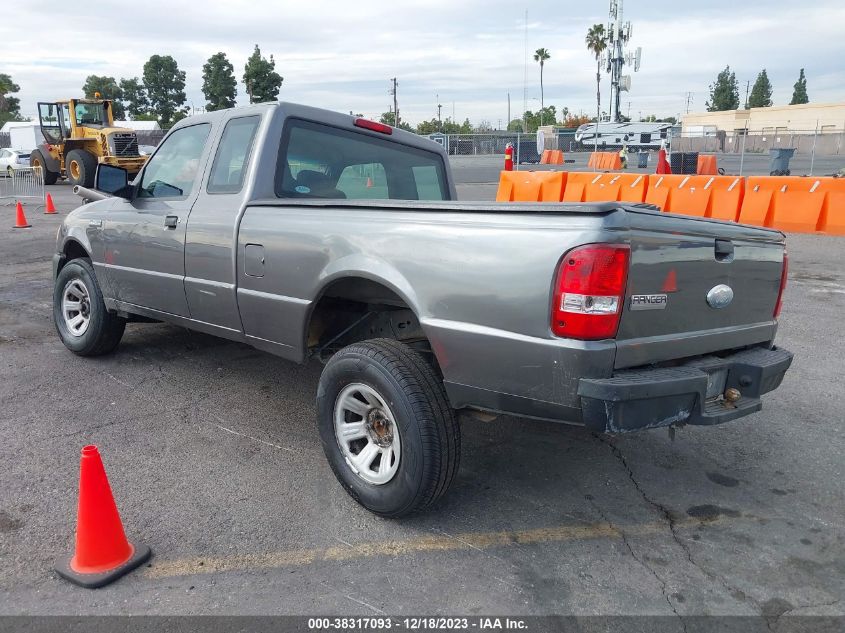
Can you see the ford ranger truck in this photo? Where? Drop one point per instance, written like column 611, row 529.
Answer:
column 315, row 235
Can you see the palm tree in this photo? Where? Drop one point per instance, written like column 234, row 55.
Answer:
column 596, row 41
column 541, row 55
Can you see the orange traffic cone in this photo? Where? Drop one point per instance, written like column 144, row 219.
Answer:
column 102, row 552
column 20, row 218
column 369, row 183
column 49, row 207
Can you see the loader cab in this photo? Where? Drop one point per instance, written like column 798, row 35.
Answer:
column 61, row 120
column 55, row 122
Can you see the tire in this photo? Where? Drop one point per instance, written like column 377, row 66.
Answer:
column 421, row 429
column 103, row 330
column 10, row 173
column 36, row 159
column 80, row 167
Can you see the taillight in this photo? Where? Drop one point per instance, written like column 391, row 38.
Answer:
column 372, row 125
column 590, row 291
column 783, row 273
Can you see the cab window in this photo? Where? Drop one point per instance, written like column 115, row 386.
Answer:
column 230, row 163
column 173, row 169
column 322, row 161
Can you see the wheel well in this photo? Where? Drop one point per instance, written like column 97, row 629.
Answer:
column 73, row 250
column 354, row 309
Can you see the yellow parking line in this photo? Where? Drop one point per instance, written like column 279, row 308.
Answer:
column 427, row 543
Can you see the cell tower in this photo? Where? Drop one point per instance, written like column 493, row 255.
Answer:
column 618, row 34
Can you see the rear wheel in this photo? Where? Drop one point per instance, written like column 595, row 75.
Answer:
column 386, row 426
column 82, row 321
column 80, row 167
column 36, row 159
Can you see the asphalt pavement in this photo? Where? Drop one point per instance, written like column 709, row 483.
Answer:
column 215, row 463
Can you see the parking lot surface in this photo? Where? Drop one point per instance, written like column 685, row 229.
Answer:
column 214, row 458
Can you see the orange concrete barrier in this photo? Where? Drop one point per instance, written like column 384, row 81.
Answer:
column 632, row 187
column 788, row 203
column 694, row 195
column 556, row 157
column 707, row 165
column 576, row 185
column 659, row 189
column 593, row 162
column 544, row 158
column 726, row 199
column 601, row 188
column 531, row 186
column 832, row 218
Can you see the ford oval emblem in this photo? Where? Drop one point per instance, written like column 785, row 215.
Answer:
column 720, row 296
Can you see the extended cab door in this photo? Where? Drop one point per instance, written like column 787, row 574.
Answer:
column 145, row 237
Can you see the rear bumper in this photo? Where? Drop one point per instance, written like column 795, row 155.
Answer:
column 633, row 400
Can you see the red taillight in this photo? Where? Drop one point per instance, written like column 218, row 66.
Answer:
column 590, row 291
column 374, row 126
column 783, row 273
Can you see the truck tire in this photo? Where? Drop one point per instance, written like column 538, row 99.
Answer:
column 80, row 167
column 82, row 321
column 387, row 428
column 36, row 159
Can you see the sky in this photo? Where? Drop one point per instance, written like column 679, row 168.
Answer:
column 468, row 55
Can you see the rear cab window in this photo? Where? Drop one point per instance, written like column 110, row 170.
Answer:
column 232, row 158
column 321, row 161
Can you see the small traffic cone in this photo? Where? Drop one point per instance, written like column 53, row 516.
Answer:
column 103, row 554
column 49, row 207
column 369, row 183
column 20, row 218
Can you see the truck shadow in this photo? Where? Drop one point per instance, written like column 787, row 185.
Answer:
column 512, row 470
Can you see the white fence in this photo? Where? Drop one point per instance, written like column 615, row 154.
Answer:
column 24, row 183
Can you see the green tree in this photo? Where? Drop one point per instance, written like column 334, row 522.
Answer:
column 761, row 92
column 533, row 120
column 108, row 89
column 135, row 98
column 724, row 92
column 516, row 125
column 388, row 118
column 799, row 90
column 596, row 42
column 260, row 78
column 165, row 86
column 218, row 83
column 10, row 107
column 541, row 55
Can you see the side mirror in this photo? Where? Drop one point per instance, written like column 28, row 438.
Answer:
column 113, row 180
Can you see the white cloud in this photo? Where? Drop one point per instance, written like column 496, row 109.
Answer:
column 340, row 55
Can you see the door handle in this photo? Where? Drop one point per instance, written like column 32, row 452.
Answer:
column 171, row 221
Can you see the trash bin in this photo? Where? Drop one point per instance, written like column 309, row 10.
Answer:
column 642, row 160
column 779, row 160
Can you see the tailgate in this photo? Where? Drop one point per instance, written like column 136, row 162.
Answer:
column 683, row 271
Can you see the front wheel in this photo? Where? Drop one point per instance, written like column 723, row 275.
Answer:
column 36, row 160
column 80, row 166
column 386, row 426
column 82, row 321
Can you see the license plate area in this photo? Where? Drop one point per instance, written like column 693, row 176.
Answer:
column 716, row 379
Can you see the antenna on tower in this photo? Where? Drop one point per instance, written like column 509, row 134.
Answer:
column 618, row 35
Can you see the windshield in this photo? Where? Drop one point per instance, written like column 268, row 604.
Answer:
column 90, row 114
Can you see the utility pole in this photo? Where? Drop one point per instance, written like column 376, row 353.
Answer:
column 689, row 100
column 439, row 121
column 747, row 88
column 509, row 111
column 395, row 103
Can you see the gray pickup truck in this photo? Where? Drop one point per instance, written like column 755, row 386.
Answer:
column 313, row 234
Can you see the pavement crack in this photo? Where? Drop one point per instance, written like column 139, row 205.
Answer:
column 671, row 522
column 663, row 583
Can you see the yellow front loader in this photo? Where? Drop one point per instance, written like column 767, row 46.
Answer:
column 80, row 134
